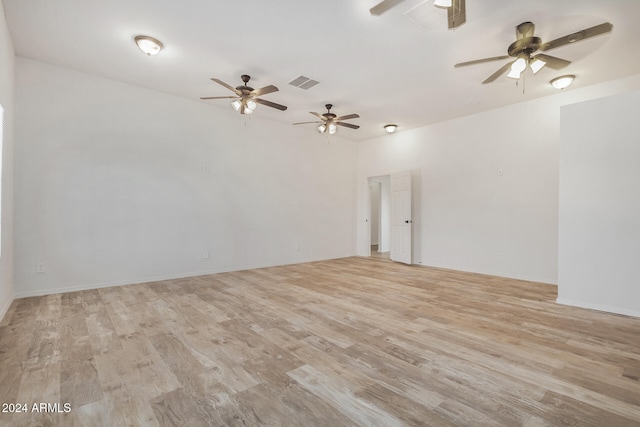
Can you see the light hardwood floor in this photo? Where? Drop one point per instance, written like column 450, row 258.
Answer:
column 348, row 342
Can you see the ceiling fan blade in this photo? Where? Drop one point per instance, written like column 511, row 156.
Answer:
column 456, row 14
column 217, row 97
column 347, row 125
column 264, row 90
column 480, row 61
column 498, row 73
column 347, row 117
column 552, row 61
column 304, row 123
column 318, row 115
column 270, row 104
column 578, row 35
column 383, row 6
column 228, row 86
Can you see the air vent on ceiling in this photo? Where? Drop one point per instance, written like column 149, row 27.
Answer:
column 303, row 82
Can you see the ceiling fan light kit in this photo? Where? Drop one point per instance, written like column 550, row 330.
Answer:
column 243, row 106
column 391, row 128
column 562, row 82
column 518, row 67
column 148, row 45
column 536, row 65
column 331, row 128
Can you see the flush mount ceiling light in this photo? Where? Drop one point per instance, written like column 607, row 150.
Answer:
column 148, row 45
column 562, row 81
column 390, row 128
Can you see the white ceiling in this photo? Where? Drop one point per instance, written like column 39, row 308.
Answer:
column 387, row 69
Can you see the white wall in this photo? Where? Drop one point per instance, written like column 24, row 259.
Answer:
column 599, row 241
column 118, row 184
column 485, row 187
column 7, row 60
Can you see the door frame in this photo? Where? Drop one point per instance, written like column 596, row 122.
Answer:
column 385, row 219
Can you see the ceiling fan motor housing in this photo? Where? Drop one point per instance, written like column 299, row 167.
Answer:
column 526, row 45
column 245, row 89
column 329, row 115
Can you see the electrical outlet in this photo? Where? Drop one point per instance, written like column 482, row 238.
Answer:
column 205, row 254
column 40, row 268
column 499, row 256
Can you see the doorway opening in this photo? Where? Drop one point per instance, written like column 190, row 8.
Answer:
column 380, row 216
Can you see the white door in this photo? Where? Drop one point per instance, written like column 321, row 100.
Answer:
column 401, row 217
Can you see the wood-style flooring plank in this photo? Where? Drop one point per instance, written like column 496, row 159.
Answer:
column 336, row 392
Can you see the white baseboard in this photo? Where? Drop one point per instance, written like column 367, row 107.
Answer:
column 133, row 281
column 599, row 307
column 5, row 307
column 524, row 278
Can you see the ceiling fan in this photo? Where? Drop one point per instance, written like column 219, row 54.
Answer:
column 328, row 121
column 526, row 44
column 456, row 10
column 246, row 97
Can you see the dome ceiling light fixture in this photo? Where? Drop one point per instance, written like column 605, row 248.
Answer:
column 391, row 128
column 562, row 82
column 148, row 45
